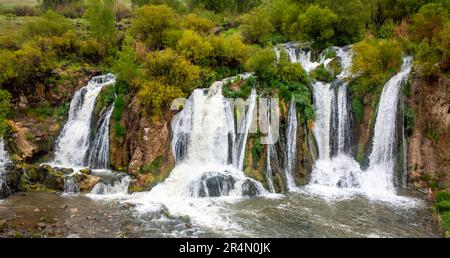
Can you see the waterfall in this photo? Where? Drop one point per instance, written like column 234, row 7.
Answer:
column 4, row 160
column 99, row 151
column 343, row 119
column 243, row 129
column 73, row 142
column 380, row 174
column 323, row 96
column 70, row 186
column 291, row 146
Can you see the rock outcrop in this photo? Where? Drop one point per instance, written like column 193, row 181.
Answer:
column 429, row 143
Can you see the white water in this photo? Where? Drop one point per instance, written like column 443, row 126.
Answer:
column 204, row 162
column 380, row 174
column 99, row 151
column 4, row 159
column 323, row 97
column 377, row 182
column 73, row 142
column 291, row 146
column 243, row 129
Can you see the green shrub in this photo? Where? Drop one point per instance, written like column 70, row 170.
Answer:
column 442, row 206
column 243, row 91
column 5, row 106
column 154, row 167
column 443, row 196
column 409, row 120
column 358, row 109
column 257, row 149
column 322, row 74
column 446, row 220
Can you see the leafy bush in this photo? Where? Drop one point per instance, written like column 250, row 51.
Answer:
column 229, row 51
column 199, row 24
column 442, row 196
column 153, row 23
column 442, row 206
column 126, row 66
column 194, row 47
column 155, row 95
column 322, row 74
column 169, row 68
column 242, row 91
column 263, row 64
column 256, row 27
column 5, row 106
column 409, row 120
column 358, row 109
column 50, row 24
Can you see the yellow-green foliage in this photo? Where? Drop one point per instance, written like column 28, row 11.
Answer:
column 5, row 98
column 199, row 24
column 256, row 27
column 194, row 47
column 154, row 24
column 126, row 67
column 154, row 95
column 263, row 64
column 430, row 37
column 374, row 61
column 102, row 20
column 229, row 51
column 51, row 24
column 170, row 68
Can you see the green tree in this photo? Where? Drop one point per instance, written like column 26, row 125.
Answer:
column 126, row 66
column 153, row 24
column 50, row 24
column 317, row 24
column 263, row 64
column 102, row 21
column 5, row 105
column 256, row 27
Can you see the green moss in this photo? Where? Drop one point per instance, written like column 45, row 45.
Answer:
column 446, row 220
column 358, row 109
column 409, row 120
column 154, row 167
column 431, row 133
column 256, row 150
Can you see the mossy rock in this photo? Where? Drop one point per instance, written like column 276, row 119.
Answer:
column 322, row 74
column 86, row 171
column 335, row 66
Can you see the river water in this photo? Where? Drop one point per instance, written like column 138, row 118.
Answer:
column 297, row 214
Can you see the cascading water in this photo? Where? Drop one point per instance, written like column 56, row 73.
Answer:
column 291, row 146
column 323, row 101
column 243, row 129
column 73, row 142
column 4, row 159
column 99, row 151
column 203, row 143
column 380, row 174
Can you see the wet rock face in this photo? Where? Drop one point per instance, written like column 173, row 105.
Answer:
column 249, row 188
column 215, row 185
column 429, row 143
column 10, row 180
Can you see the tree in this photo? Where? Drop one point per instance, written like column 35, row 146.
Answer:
column 201, row 25
column 153, row 24
column 5, row 105
column 229, row 51
column 317, row 24
column 429, row 21
column 374, row 61
column 256, row 27
column 263, row 64
column 50, row 24
column 126, row 66
column 102, row 21
column 169, row 68
column 194, row 47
